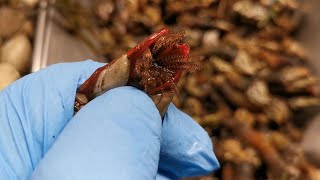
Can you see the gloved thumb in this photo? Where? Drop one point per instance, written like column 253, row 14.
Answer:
column 116, row 135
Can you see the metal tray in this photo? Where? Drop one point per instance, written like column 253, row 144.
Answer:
column 52, row 44
column 310, row 38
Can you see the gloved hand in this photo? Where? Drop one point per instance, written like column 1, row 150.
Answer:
column 118, row 135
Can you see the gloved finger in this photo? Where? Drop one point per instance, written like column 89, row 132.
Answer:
column 162, row 175
column 115, row 136
column 35, row 109
column 186, row 148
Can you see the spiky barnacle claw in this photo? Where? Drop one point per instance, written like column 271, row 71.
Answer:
column 154, row 66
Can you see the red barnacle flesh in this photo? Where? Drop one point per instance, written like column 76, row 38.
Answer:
column 154, row 66
column 161, row 63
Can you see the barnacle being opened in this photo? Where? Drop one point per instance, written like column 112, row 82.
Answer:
column 155, row 66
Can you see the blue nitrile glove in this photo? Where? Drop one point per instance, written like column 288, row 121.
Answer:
column 118, row 135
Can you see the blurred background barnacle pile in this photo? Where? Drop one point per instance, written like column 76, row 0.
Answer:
column 17, row 21
column 254, row 94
